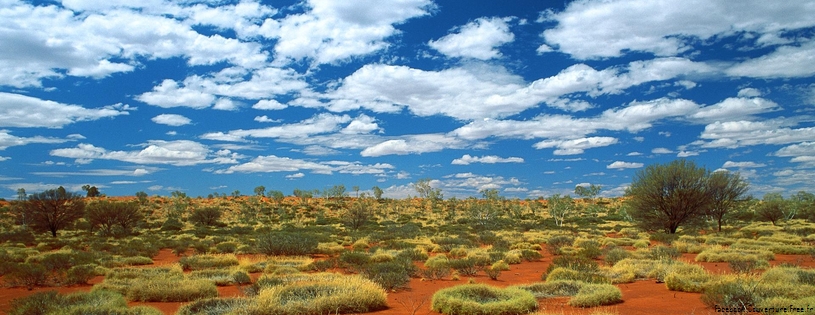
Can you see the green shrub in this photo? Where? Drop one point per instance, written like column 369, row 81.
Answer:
column 81, row 274
column 323, row 265
column 227, row 247
column 687, row 278
column 283, row 243
column 730, row 292
column 691, row 247
column 163, row 290
column 553, row 288
column 320, row 294
column 588, row 248
column 615, row 255
column 720, row 254
column 354, row 259
column 198, row 262
column 744, row 265
column 81, row 303
column 472, row 299
column 389, row 275
column 436, row 267
column 465, row 266
column 591, row 295
column 220, row 277
column 214, row 306
column 555, row 243
column 577, row 263
column 28, row 275
column 663, row 252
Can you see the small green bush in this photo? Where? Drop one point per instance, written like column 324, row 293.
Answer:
column 283, row 243
column 80, row 303
column 663, row 252
column 198, row 262
column 555, row 243
column 81, row 274
column 320, row 294
column 730, row 292
column 28, row 275
column 615, row 255
column 389, row 275
column 554, row 288
column 591, row 295
column 354, row 259
column 163, row 290
column 472, row 299
column 214, row 306
column 687, row 278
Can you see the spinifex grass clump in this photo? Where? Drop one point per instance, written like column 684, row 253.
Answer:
column 553, row 288
column 157, row 285
column 594, row 294
column 319, row 294
column 214, row 306
column 483, row 299
column 94, row 302
column 198, row 262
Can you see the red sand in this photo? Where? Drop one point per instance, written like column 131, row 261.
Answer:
column 641, row 297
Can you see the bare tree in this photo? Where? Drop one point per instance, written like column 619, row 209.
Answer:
column 53, row 210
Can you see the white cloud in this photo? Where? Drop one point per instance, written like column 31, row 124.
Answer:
column 477, row 39
column 178, row 153
column 226, row 104
column 265, row 118
column 332, row 31
column 734, row 134
column 731, row 164
column 171, row 120
column 784, row 62
column 272, row 163
column 601, row 29
column 620, row 165
column 576, row 146
column 319, row 124
column 100, row 172
column 295, row 176
column 317, row 150
column 661, row 151
column 413, row 144
column 361, row 125
column 635, row 153
column 24, row 111
column 734, row 108
column 169, row 94
column 749, row 92
column 269, row 105
column 60, row 41
column 487, row 159
column 8, row 140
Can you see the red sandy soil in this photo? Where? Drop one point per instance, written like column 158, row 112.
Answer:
column 639, row 298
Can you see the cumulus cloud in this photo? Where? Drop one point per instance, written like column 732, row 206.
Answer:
column 734, row 134
column 109, row 39
column 576, row 146
column 602, row 29
column 620, row 165
column 319, row 124
column 477, row 39
column 24, row 111
column 487, row 159
column 784, row 62
column 8, row 140
column 273, row 163
column 178, row 153
column 171, row 120
column 731, row 164
column 333, row 31
column 413, row 144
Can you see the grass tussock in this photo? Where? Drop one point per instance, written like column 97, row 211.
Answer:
column 162, row 290
column 207, row 261
column 320, row 294
column 483, row 299
column 81, row 303
column 214, row 306
column 687, row 278
column 593, row 294
column 553, row 288
column 721, row 254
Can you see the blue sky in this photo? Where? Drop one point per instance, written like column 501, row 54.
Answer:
column 528, row 97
